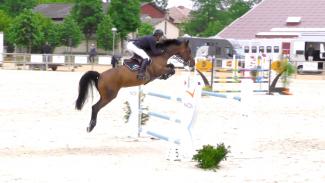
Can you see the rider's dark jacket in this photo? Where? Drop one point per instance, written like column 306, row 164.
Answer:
column 148, row 44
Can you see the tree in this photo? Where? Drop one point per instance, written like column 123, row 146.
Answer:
column 50, row 30
column 25, row 30
column 88, row 14
column 145, row 29
column 70, row 33
column 125, row 15
column 210, row 17
column 15, row 7
column 4, row 21
column 104, row 33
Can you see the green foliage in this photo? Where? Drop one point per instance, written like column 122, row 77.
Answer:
column 125, row 16
column 289, row 68
column 26, row 31
column 4, row 21
column 104, row 33
column 127, row 110
column 70, row 33
column 15, row 7
column 88, row 14
column 145, row 29
column 210, row 17
column 207, row 88
column 209, row 156
column 50, row 30
column 54, row 1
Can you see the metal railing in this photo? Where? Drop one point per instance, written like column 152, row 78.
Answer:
column 46, row 61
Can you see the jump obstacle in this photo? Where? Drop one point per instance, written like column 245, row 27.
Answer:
column 182, row 122
column 260, row 78
column 184, row 119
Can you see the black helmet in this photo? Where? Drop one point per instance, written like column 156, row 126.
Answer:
column 158, row 32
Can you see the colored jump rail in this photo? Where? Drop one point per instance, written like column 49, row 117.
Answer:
column 162, row 137
column 220, row 95
column 163, row 96
column 240, row 77
column 239, row 70
column 161, row 116
column 239, row 81
column 238, row 91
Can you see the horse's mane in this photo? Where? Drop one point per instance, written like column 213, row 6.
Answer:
column 168, row 42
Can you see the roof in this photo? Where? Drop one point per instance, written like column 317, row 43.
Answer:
column 270, row 14
column 55, row 10
column 153, row 21
column 179, row 14
column 154, row 6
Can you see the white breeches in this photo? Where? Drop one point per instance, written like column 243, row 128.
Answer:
column 134, row 49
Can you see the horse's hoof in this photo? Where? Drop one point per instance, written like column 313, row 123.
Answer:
column 89, row 129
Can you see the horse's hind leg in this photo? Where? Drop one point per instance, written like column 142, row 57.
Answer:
column 95, row 109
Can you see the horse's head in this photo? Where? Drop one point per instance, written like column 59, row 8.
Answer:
column 180, row 49
column 184, row 52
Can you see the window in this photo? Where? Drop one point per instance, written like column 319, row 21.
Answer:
column 299, row 52
column 254, row 49
column 276, row 49
column 228, row 52
column 269, row 49
column 261, row 49
column 246, row 49
column 218, row 50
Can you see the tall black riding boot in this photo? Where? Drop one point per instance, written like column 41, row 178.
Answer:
column 142, row 70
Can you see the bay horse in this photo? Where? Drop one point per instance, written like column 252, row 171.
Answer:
column 111, row 81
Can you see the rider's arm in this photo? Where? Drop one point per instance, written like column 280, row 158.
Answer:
column 154, row 50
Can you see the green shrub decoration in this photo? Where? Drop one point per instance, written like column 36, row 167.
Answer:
column 209, row 156
column 207, row 88
column 127, row 110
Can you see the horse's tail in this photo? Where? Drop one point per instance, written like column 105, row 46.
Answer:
column 87, row 80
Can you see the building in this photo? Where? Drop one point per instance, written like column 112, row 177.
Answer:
column 171, row 31
column 158, row 18
column 179, row 14
column 152, row 10
column 279, row 19
column 56, row 11
column 278, row 29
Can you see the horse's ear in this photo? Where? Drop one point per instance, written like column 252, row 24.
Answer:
column 187, row 42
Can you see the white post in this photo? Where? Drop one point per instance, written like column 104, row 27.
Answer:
column 1, row 48
column 114, row 32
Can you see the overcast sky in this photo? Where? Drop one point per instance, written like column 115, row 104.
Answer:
column 186, row 3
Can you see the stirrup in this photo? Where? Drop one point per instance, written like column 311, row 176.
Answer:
column 141, row 76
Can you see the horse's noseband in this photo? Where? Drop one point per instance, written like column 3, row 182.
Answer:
column 180, row 59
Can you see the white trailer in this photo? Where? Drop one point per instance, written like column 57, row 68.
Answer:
column 276, row 49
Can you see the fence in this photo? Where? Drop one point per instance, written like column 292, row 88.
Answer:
column 46, row 61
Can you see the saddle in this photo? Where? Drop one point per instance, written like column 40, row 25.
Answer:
column 133, row 63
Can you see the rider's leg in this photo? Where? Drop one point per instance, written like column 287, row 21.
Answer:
column 143, row 69
column 146, row 59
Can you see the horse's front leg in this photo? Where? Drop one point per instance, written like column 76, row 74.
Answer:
column 169, row 71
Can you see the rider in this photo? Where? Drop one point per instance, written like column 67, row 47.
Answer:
column 143, row 44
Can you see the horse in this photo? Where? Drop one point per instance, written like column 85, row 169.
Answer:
column 112, row 80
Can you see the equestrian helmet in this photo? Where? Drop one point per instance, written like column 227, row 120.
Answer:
column 158, row 32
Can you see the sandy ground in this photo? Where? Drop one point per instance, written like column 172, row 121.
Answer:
column 44, row 139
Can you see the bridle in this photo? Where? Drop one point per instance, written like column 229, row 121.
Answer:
column 180, row 59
